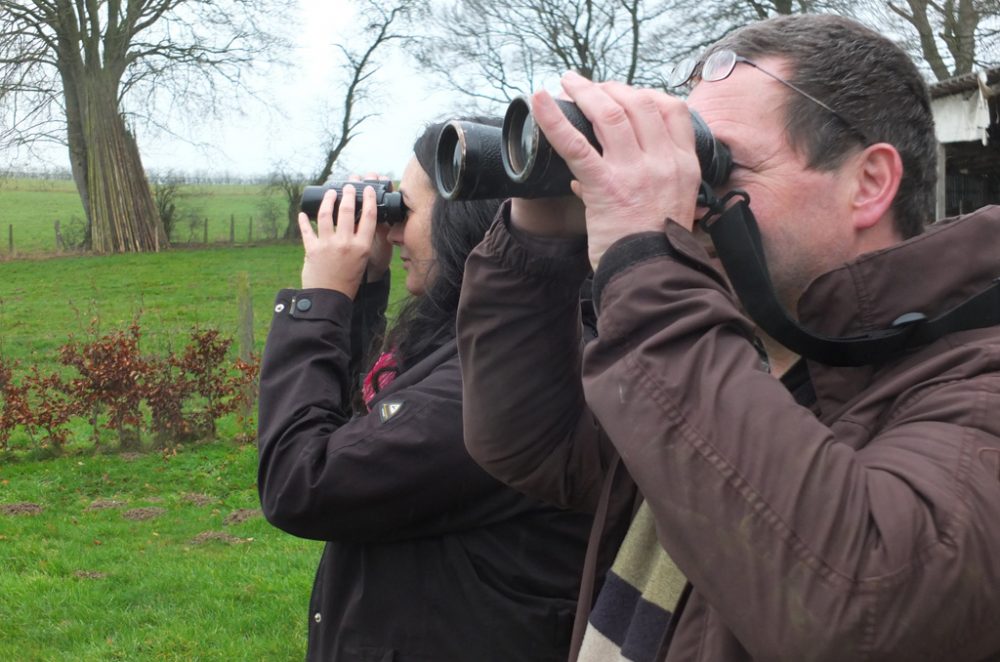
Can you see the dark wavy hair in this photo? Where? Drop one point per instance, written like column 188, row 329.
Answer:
column 426, row 322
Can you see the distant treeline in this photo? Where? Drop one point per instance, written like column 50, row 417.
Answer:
column 154, row 176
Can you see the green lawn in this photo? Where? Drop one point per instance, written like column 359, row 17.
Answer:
column 30, row 207
column 158, row 556
column 44, row 301
column 148, row 557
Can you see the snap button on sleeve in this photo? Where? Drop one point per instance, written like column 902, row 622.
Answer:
column 303, row 304
column 280, row 307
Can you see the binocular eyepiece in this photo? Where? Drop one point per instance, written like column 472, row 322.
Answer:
column 389, row 203
column 476, row 161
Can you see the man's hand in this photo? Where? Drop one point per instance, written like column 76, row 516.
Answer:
column 648, row 171
column 336, row 256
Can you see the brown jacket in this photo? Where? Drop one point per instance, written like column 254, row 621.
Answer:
column 865, row 529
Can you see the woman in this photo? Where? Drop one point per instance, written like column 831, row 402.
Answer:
column 428, row 557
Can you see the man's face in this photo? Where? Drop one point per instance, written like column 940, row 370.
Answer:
column 803, row 214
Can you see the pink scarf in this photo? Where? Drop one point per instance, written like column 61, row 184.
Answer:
column 383, row 371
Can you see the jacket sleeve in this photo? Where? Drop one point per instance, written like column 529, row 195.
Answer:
column 368, row 323
column 807, row 548
column 326, row 475
column 519, row 332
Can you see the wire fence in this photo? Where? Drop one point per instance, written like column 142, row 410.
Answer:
column 196, row 231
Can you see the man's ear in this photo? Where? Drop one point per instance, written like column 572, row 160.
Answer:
column 878, row 173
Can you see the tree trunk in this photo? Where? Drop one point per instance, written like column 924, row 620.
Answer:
column 917, row 17
column 292, row 230
column 123, row 216
column 961, row 35
column 75, row 141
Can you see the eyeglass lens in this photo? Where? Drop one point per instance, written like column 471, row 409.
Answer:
column 682, row 72
column 718, row 66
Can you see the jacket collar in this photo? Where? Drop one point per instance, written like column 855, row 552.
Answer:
column 420, row 371
column 929, row 274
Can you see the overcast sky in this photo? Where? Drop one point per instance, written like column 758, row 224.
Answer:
column 291, row 135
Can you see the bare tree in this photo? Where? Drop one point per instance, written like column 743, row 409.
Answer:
column 289, row 185
column 492, row 51
column 70, row 69
column 387, row 25
column 955, row 36
column 952, row 37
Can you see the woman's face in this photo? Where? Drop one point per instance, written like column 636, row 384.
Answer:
column 413, row 235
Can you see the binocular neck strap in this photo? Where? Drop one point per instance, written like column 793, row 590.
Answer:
column 737, row 241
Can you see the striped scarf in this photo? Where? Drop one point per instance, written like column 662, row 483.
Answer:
column 636, row 603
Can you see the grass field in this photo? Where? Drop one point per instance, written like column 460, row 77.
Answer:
column 147, row 557
column 47, row 299
column 31, row 207
column 157, row 556
column 43, row 301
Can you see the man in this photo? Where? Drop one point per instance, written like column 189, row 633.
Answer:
column 841, row 513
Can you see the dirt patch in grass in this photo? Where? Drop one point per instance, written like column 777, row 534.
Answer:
column 199, row 499
column 23, row 508
column 89, row 574
column 241, row 515
column 143, row 513
column 104, row 504
column 130, row 456
column 217, row 536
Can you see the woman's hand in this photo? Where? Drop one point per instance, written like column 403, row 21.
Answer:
column 378, row 261
column 381, row 256
column 337, row 256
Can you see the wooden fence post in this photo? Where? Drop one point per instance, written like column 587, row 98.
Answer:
column 232, row 229
column 205, row 233
column 250, row 231
column 59, row 239
column 244, row 303
column 10, row 238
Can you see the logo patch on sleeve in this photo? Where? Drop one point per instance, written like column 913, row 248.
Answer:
column 387, row 410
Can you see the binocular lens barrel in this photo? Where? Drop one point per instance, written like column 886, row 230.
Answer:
column 450, row 165
column 521, row 144
column 389, row 203
column 468, row 165
column 527, row 156
column 476, row 161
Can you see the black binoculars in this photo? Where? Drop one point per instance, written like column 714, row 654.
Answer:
column 478, row 161
column 389, row 202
